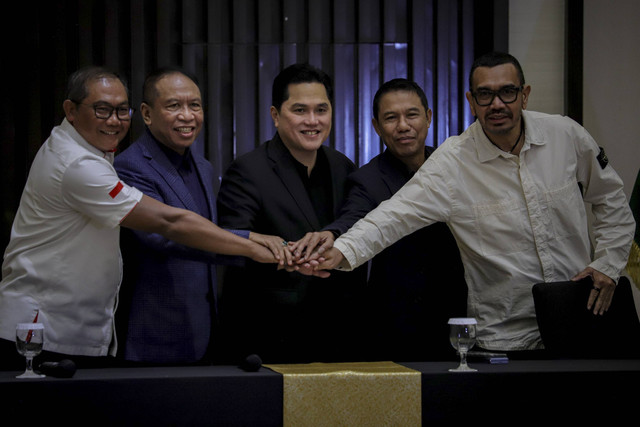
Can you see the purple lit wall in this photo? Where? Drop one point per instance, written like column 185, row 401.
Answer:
column 236, row 48
column 360, row 44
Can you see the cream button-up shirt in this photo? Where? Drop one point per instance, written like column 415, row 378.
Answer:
column 518, row 220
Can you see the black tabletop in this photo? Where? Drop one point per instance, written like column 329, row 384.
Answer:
column 521, row 391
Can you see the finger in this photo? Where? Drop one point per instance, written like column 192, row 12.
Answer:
column 294, row 245
column 310, row 244
column 598, row 307
column 319, row 242
column 268, row 255
column 311, row 257
column 301, row 245
column 285, row 252
column 324, row 265
column 593, row 296
column 274, row 248
column 587, row 272
column 606, row 287
column 600, row 298
column 604, row 301
column 288, row 256
column 326, row 244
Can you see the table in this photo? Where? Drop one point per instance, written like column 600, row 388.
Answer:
column 526, row 392
column 522, row 392
column 176, row 396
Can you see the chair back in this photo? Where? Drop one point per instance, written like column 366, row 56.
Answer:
column 569, row 330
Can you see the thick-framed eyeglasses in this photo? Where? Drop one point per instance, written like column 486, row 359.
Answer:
column 104, row 111
column 507, row 95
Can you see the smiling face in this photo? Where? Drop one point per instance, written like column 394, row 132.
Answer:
column 403, row 125
column 175, row 114
column 304, row 119
column 500, row 121
column 104, row 134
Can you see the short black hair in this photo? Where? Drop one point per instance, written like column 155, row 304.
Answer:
column 395, row 85
column 294, row 74
column 149, row 90
column 77, row 89
column 493, row 59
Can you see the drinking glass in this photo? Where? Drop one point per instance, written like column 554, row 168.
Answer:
column 462, row 335
column 29, row 340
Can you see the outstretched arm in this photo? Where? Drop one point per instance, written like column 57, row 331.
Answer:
column 190, row 229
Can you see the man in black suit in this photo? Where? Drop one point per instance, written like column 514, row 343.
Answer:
column 168, row 295
column 416, row 284
column 288, row 186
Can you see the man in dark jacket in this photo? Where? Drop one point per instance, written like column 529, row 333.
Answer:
column 167, row 310
column 288, row 186
column 418, row 283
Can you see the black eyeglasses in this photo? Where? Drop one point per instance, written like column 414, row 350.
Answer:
column 104, row 111
column 507, row 95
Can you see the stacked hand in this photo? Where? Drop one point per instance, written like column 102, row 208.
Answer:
column 283, row 253
column 276, row 245
column 315, row 251
column 312, row 246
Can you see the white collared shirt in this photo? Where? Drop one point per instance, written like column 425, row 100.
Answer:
column 63, row 261
column 518, row 220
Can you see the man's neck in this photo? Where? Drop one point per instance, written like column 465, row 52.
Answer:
column 413, row 163
column 307, row 158
column 510, row 142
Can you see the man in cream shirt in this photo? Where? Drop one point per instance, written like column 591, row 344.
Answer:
column 512, row 189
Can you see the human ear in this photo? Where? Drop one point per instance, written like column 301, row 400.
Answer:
column 70, row 110
column 145, row 111
column 274, row 115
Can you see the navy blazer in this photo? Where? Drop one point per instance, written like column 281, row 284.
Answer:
column 168, row 292
column 285, row 317
column 416, row 284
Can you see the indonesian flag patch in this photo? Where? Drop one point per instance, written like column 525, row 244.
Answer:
column 116, row 190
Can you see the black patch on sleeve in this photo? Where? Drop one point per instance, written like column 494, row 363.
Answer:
column 602, row 158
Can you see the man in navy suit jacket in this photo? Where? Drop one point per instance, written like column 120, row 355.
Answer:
column 168, row 295
column 416, row 284
column 289, row 186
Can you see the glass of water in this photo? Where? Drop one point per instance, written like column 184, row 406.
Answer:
column 462, row 335
column 29, row 340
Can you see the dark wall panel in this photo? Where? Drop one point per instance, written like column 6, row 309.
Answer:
column 235, row 48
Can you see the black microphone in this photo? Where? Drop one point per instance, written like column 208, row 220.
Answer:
column 251, row 363
column 62, row 369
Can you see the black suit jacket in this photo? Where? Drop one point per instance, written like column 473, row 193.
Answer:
column 285, row 317
column 416, row 284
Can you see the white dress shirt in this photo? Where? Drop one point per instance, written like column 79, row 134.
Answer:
column 63, row 261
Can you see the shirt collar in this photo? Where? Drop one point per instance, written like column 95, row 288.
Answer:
column 320, row 165
column 177, row 160
column 399, row 165
column 73, row 133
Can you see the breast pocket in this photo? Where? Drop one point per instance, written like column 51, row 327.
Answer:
column 503, row 227
column 562, row 201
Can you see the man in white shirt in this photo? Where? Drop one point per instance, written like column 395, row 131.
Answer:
column 62, row 266
column 512, row 189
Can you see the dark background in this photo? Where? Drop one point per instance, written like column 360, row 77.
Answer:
column 236, row 48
